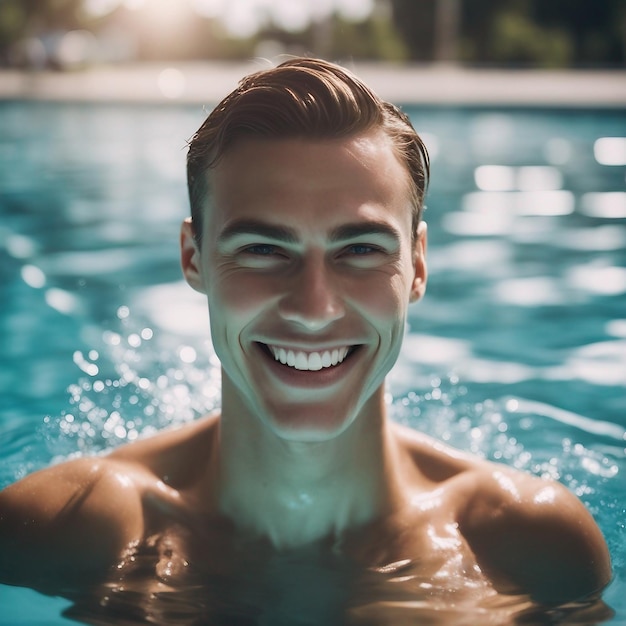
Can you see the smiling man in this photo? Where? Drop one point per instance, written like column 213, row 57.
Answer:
column 306, row 237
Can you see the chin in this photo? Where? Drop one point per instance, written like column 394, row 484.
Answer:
column 302, row 425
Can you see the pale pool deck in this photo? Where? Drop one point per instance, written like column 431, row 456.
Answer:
column 207, row 82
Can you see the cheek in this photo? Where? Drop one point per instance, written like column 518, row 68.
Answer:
column 385, row 299
column 238, row 293
column 232, row 304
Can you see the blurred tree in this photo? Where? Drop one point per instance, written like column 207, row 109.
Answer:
column 597, row 29
column 537, row 33
column 517, row 40
column 415, row 24
column 43, row 19
column 50, row 15
column 373, row 38
column 13, row 23
column 446, row 27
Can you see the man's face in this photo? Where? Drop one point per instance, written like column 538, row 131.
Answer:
column 308, row 265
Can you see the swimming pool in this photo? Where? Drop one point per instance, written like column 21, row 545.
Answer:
column 518, row 351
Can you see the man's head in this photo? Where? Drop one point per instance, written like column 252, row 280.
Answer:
column 306, row 190
column 307, row 99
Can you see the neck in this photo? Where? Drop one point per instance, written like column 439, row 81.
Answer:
column 295, row 492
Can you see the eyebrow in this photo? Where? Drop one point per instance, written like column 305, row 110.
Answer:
column 345, row 232
column 360, row 229
column 257, row 228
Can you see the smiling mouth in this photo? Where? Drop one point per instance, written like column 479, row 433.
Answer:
column 309, row 361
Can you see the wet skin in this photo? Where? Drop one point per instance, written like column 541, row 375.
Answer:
column 308, row 264
column 139, row 522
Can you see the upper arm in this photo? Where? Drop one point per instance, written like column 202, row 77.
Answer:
column 533, row 536
column 69, row 522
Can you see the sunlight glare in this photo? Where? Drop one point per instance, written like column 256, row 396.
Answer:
column 546, row 203
column 243, row 18
column 354, row 10
column 610, row 150
column 539, row 178
column 604, row 204
column 208, row 8
column 160, row 12
column 290, row 16
column 494, row 177
column 171, row 83
column 33, row 276
column 100, row 8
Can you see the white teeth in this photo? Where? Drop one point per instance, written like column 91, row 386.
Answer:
column 311, row 361
column 327, row 359
column 301, row 361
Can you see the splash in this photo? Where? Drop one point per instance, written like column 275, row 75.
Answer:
column 587, row 456
column 134, row 383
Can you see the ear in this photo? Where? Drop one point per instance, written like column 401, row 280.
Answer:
column 190, row 257
column 420, row 276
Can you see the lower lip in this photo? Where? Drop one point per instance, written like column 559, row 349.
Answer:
column 324, row 377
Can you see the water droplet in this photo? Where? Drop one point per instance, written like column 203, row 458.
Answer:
column 123, row 312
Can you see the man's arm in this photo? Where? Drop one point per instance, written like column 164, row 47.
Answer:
column 533, row 536
column 67, row 524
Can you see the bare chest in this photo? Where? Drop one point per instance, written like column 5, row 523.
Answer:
column 221, row 576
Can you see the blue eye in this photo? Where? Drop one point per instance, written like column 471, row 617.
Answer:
column 261, row 249
column 362, row 248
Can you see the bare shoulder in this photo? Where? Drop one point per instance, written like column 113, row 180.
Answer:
column 528, row 535
column 81, row 513
column 86, row 512
column 172, row 455
column 532, row 535
column 434, row 460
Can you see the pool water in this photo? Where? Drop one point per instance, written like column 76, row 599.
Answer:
column 517, row 352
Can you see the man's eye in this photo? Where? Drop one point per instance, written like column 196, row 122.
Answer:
column 362, row 248
column 262, row 256
column 261, row 249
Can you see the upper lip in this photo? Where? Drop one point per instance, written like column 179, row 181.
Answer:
column 308, row 348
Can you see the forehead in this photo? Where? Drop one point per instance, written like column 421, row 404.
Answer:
column 297, row 178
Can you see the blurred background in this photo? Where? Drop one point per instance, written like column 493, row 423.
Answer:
column 66, row 34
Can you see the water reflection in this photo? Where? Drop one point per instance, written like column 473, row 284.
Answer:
column 519, row 203
column 312, row 586
column 526, row 178
column 607, row 204
column 610, row 150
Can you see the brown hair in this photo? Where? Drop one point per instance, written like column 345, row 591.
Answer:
column 305, row 98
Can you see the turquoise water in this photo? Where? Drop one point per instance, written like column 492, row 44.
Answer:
column 517, row 353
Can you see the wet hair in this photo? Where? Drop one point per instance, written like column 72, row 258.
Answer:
column 301, row 98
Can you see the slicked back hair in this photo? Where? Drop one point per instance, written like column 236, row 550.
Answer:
column 308, row 99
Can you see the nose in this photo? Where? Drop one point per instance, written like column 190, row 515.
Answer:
column 312, row 298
